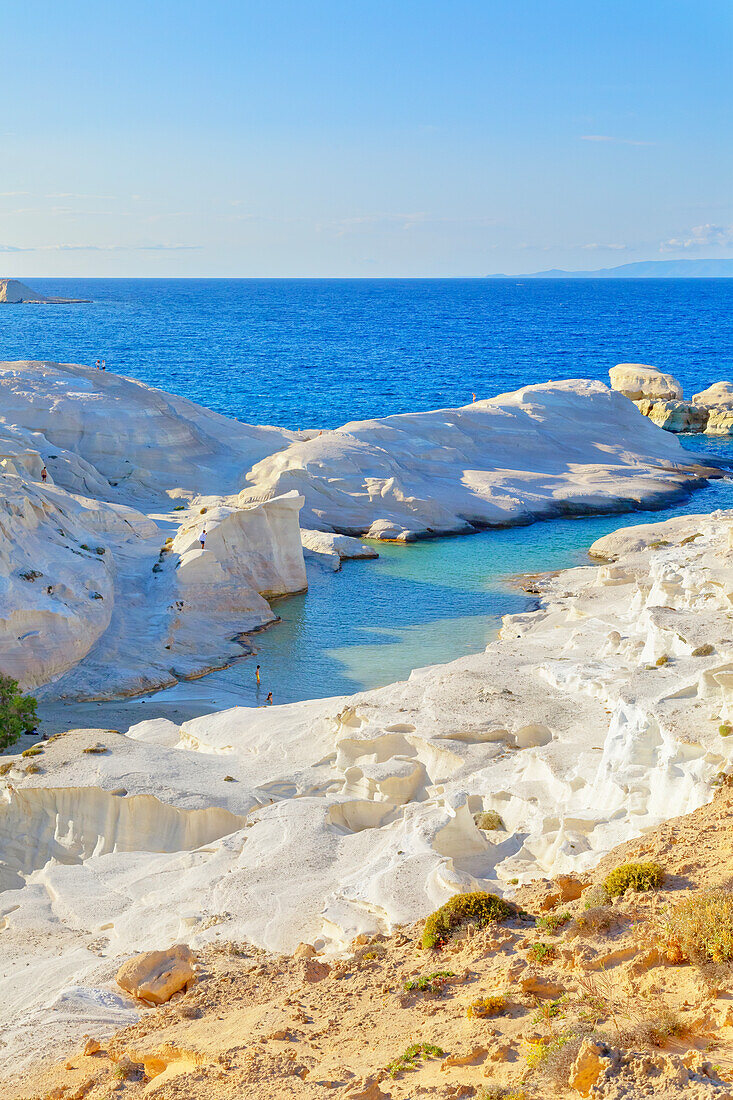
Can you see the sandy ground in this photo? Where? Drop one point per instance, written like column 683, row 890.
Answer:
column 263, row 1026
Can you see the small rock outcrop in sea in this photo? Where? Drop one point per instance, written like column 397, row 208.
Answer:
column 638, row 380
column 14, row 293
column 659, row 397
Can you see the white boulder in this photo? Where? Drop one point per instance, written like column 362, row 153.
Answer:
column 638, row 380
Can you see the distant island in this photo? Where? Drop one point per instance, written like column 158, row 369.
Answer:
column 642, row 269
column 14, row 293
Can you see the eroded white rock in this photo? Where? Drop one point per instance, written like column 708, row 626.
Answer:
column 638, row 380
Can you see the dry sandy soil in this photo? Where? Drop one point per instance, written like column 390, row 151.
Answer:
column 611, row 1011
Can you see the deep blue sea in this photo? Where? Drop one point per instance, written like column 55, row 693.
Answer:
column 320, row 352
column 304, row 353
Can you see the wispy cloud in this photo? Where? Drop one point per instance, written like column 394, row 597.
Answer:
column 594, row 247
column 699, row 237
column 614, row 140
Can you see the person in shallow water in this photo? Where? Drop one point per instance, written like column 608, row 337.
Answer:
column 202, row 538
column 257, row 675
column 269, row 699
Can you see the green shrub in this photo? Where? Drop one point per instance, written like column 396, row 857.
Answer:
column 179, row 508
column 34, row 750
column 537, row 1051
column 542, row 952
column 476, row 908
column 412, row 1057
column 725, row 730
column 633, row 876
column 552, row 921
column 662, row 660
column 430, row 983
column 17, row 712
column 703, row 650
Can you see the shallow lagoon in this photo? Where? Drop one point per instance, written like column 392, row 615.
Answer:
column 374, row 621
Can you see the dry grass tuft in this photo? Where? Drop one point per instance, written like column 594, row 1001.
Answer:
column 488, row 821
column 484, row 1007
column 700, row 928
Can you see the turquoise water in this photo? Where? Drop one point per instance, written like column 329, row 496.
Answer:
column 425, row 603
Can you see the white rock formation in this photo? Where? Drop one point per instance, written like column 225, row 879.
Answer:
column 97, row 598
column 331, row 550
column 13, row 292
column 638, row 380
column 143, row 442
column 720, row 393
column 552, row 449
column 587, row 722
column 717, row 401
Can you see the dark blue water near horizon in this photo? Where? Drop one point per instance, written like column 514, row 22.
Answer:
column 320, row 352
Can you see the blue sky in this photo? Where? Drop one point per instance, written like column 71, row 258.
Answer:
column 362, row 137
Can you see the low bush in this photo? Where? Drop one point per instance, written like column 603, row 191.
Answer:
column 633, row 876
column 34, row 750
column 550, row 1010
column 538, row 1051
column 412, row 1057
column 594, row 920
column 662, row 660
column 488, row 820
column 542, row 952
column 484, row 1007
column 725, row 729
column 551, row 922
column 703, row 650
column 17, row 712
column 429, row 983
column 476, row 908
column 700, row 928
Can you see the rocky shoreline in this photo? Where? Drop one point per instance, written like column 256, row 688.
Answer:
column 584, row 725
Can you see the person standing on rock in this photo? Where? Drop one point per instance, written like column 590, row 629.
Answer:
column 98, row 364
column 202, row 538
column 44, row 474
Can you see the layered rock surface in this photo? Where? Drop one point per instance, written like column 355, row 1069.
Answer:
column 103, row 585
column 555, row 449
column 587, row 723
